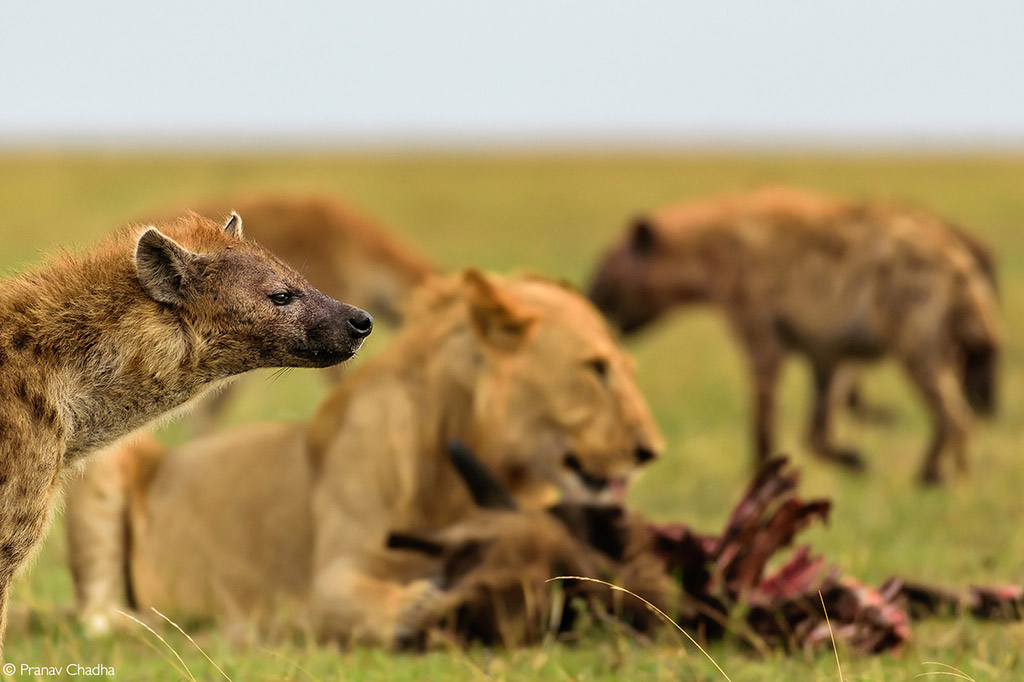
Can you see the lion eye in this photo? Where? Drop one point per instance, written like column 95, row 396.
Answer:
column 282, row 298
column 599, row 366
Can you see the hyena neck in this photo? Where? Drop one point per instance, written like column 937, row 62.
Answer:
column 134, row 380
column 711, row 274
column 108, row 364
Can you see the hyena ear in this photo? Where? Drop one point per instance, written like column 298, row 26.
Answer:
column 643, row 237
column 234, row 226
column 495, row 320
column 164, row 266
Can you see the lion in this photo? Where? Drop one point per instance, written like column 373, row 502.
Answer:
column 837, row 282
column 522, row 369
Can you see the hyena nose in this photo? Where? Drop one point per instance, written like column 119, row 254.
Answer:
column 360, row 324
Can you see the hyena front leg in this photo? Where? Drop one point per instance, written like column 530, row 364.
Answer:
column 940, row 387
column 27, row 493
column 827, row 391
column 5, row 590
column 765, row 362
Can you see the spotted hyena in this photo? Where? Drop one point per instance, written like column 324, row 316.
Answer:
column 835, row 281
column 95, row 346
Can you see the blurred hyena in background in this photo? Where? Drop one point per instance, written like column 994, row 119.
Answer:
column 834, row 281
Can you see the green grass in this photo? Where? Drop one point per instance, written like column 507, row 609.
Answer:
column 553, row 215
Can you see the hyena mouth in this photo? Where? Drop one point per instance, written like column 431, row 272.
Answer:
column 632, row 324
column 319, row 357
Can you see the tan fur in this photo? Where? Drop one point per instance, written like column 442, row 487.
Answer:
column 95, row 346
column 521, row 369
column 835, row 281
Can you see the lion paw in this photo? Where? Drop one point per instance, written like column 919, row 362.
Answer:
column 101, row 622
column 422, row 610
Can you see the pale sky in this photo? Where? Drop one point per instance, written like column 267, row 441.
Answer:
column 894, row 69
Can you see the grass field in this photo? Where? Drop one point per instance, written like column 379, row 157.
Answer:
column 553, row 215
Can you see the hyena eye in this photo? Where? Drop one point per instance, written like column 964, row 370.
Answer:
column 282, row 298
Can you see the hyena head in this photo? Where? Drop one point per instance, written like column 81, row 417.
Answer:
column 248, row 308
column 645, row 274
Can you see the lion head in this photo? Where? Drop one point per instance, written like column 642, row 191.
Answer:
column 524, row 370
column 554, row 397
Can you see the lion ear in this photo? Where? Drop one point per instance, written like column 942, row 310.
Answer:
column 495, row 320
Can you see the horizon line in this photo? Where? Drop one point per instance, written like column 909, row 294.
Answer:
column 511, row 143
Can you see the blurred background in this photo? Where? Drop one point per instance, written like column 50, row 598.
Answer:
column 201, row 75
column 521, row 136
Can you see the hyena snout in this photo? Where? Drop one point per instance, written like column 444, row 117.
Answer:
column 348, row 326
column 608, row 294
column 627, row 307
column 336, row 333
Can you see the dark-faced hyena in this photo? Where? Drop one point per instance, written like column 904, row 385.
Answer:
column 343, row 252
column 93, row 347
column 835, row 281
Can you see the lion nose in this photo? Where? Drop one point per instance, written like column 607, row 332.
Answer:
column 644, row 454
column 360, row 324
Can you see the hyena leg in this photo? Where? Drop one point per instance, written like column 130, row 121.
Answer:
column 766, row 360
column 96, row 519
column 27, row 497
column 5, row 590
column 827, row 389
column 940, row 388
